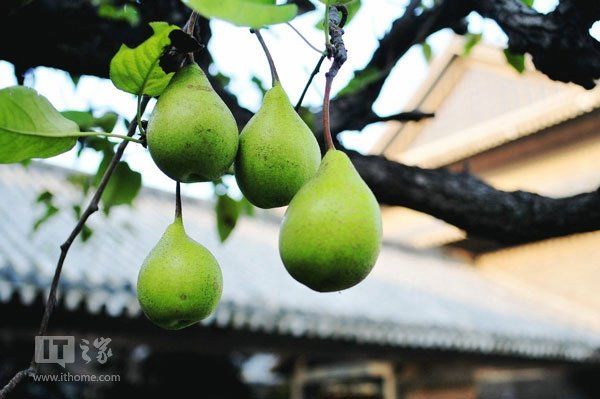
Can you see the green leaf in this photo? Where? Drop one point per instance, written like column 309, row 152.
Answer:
column 427, row 51
column 123, row 186
column 127, row 13
column 517, row 61
column 45, row 198
column 360, row 80
column 331, row 2
column 223, row 80
column 84, row 119
column 30, row 127
column 471, row 40
column 246, row 207
column 107, row 121
column 259, row 83
column 137, row 71
column 228, row 212
column 87, row 121
column 75, row 78
column 251, row 13
column 100, row 144
column 81, row 180
column 308, row 117
column 86, row 233
column 528, row 3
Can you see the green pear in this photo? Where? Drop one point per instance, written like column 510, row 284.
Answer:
column 192, row 135
column 180, row 281
column 278, row 153
column 330, row 236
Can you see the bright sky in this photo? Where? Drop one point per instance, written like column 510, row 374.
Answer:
column 238, row 55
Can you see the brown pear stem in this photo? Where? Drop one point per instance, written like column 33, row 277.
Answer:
column 189, row 27
column 274, row 75
column 178, row 211
column 326, row 102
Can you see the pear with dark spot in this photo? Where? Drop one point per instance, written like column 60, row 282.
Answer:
column 192, row 135
column 180, row 281
column 278, row 153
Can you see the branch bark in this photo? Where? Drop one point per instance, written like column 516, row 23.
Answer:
column 560, row 43
column 469, row 203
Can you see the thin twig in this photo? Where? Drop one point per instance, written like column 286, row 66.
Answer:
column 64, row 249
column 407, row 116
column 16, row 380
column 304, row 38
column 274, row 75
column 308, row 83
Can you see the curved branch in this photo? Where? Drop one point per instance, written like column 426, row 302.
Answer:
column 560, row 43
column 353, row 112
column 469, row 203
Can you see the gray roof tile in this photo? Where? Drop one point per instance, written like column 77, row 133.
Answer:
column 412, row 299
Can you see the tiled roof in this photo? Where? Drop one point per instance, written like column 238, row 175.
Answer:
column 480, row 103
column 412, row 299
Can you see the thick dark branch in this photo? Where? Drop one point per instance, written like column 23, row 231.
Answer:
column 559, row 42
column 469, row 203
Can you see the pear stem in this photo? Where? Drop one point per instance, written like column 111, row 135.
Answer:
column 178, row 200
column 189, row 27
column 326, row 102
column 104, row 134
column 274, row 75
column 337, row 17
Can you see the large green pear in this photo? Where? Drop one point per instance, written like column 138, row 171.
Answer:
column 278, row 153
column 180, row 281
column 331, row 233
column 192, row 135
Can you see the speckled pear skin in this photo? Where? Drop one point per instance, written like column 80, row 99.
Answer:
column 278, row 153
column 180, row 282
column 192, row 135
column 330, row 236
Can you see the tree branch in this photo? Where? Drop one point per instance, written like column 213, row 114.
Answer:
column 469, row 203
column 354, row 111
column 83, row 43
column 560, row 43
column 64, row 250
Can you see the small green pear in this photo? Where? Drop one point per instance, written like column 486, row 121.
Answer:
column 192, row 135
column 330, row 236
column 180, row 281
column 278, row 153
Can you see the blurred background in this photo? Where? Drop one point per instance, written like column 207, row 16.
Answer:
column 443, row 315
